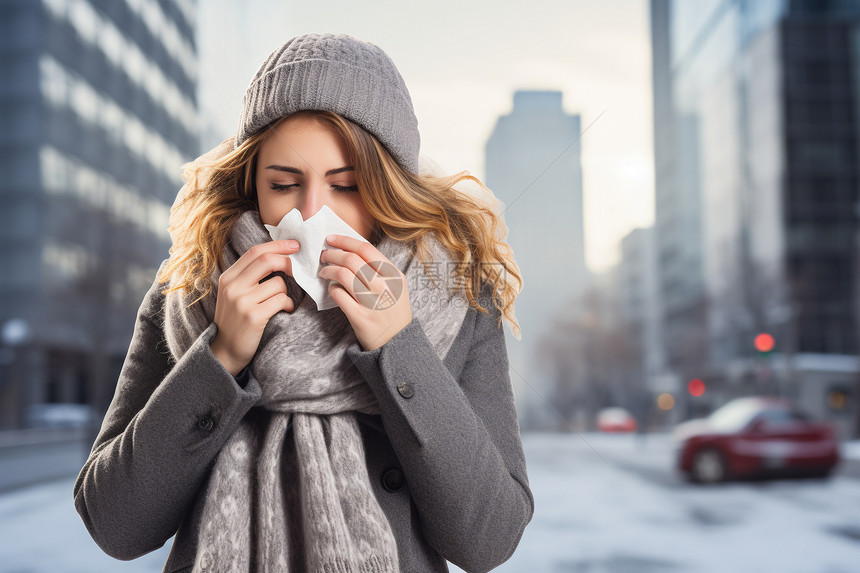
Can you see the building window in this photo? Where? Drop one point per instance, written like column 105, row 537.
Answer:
column 62, row 88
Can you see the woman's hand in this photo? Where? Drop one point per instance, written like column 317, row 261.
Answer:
column 244, row 305
column 362, row 287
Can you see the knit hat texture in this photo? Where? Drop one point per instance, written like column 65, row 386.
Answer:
column 339, row 73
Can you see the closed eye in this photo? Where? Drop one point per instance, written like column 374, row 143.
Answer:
column 338, row 188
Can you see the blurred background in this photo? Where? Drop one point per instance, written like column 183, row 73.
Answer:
column 680, row 181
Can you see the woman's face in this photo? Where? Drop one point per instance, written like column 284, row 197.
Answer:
column 303, row 165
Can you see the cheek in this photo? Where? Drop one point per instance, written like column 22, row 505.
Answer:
column 357, row 216
column 260, row 192
column 357, row 204
column 264, row 203
column 269, row 206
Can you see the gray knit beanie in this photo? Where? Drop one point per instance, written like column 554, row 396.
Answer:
column 339, row 73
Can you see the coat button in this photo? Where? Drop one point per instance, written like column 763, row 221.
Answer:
column 392, row 479
column 205, row 423
column 405, row 389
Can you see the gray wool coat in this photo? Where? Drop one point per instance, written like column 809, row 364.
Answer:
column 444, row 456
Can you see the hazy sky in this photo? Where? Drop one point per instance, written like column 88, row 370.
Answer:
column 462, row 61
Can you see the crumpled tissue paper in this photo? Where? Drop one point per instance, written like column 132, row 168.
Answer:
column 311, row 236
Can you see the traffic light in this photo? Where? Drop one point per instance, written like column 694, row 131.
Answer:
column 839, row 398
column 696, row 387
column 764, row 343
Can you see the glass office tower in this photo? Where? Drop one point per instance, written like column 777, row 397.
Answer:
column 98, row 112
column 756, row 143
column 533, row 159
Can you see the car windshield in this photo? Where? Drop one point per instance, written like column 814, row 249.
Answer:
column 613, row 415
column 734, row 415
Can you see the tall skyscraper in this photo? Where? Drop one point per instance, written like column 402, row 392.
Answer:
column 641, row 300
column 533, row 160
column 678, row 213
column 756, row 123
column 98, row 112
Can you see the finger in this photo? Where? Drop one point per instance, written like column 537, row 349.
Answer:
column 277, row 303
column 266, row 290
column 340, row 276
column 264, row 265
column 341, row 296
column 363, row 249
column 356, row 264
column 282, row 246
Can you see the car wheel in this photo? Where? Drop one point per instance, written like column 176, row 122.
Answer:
column 823, row 473
column 709, row 466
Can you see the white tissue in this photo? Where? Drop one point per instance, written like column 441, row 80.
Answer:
column 311, row 236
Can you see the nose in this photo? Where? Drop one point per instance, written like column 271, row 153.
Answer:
column 314, row 197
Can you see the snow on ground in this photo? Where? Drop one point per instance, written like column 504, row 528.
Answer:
column 42, row 532
column 593, row 515
column 850, row 449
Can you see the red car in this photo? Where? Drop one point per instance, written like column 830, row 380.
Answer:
column 756, row 436
column 615, row 420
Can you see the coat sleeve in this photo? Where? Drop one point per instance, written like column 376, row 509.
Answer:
column 457, row 440
column 162, row 431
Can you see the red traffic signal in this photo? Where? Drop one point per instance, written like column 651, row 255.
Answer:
column 696, row 387
column 764, row 342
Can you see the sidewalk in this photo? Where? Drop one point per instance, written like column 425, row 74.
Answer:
column 43, row 532
column 38, row 455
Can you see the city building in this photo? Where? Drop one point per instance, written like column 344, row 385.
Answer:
column 756, row 137
column 642, row 302
column 533, row 164
column 642, row 320
column 98, row 112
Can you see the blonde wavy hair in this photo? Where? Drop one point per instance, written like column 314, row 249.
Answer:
column 221, row 184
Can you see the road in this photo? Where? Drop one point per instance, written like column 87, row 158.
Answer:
column 604, row 504
column 613, row 504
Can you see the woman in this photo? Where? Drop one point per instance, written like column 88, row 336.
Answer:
column 374, row 436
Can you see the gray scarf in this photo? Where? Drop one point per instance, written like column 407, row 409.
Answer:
column 289, row 490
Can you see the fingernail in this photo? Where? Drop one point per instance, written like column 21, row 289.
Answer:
column 331, row 238
column 293, row 244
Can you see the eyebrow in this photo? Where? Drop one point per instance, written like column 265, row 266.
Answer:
column 298, row 171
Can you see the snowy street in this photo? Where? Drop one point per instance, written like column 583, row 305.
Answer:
column 630, row 514
column 604, row 504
